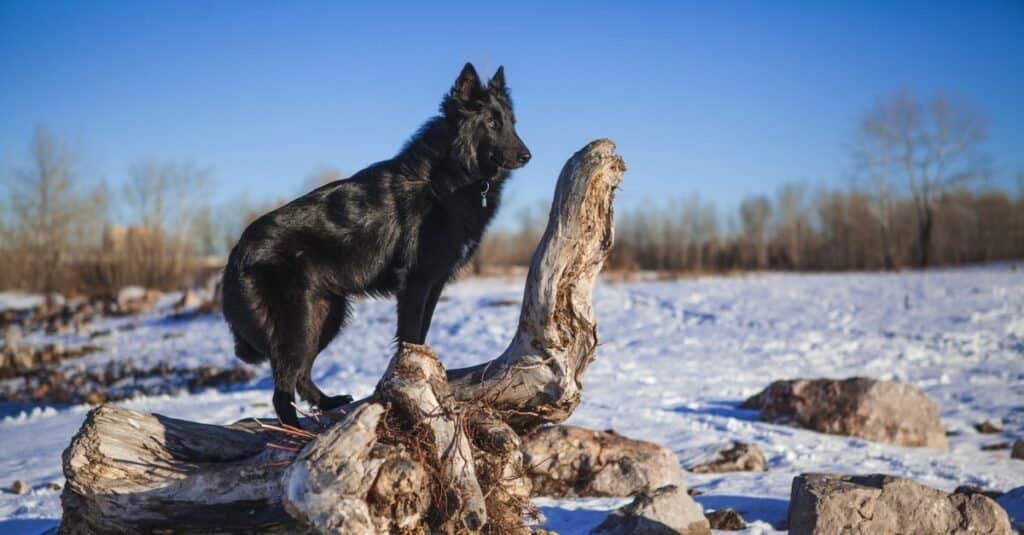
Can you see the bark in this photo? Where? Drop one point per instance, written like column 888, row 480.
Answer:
column 129, row 471
column 539, row 377
column 430, row 451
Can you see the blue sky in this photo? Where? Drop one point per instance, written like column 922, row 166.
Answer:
column 724, row 99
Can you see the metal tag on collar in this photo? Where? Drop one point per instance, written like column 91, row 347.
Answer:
column 483, row 194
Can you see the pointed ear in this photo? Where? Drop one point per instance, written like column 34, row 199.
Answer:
column 497, row 83
column 467, row 83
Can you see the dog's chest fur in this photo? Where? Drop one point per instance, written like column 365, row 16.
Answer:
column 452, row 230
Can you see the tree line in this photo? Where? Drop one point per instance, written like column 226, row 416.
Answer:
column 822, row 231
column 918, row 196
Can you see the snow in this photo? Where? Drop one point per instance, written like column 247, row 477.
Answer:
column 19, row 300
column 676, row 358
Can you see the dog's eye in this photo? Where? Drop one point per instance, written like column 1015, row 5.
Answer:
column 492, row 123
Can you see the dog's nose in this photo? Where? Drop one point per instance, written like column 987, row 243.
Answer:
column 523, row 157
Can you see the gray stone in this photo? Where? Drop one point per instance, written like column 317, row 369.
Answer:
column 20, row 487
column 135, row 300
column 726, row 520
column 1018, row 450
column 883, row 411
column 563, row 460
column 740, row 457
column 868, row 504
column 665, row 511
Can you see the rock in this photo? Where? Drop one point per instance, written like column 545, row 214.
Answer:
column 974, row 489
column 665, row 511
column 868, row 504
column 23, row 361
column 135, row 300
column 95, row 398
column 9, row 316
column 988, row 428
column 883, row 411
column 11, row 336
column 100, row 333
column 58, row 327
column 1013, row 502
column 726, row 520
column 1018, row 450
column 53, row 485
column 212, row 377
column 189, row 300
column 996, row 447
column 740, row 457
column 563, row 460
column 20, row 487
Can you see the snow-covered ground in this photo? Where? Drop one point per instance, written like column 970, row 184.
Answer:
column 676, row 357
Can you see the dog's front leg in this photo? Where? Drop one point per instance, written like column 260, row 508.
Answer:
column 412, row 303
column 428, row 308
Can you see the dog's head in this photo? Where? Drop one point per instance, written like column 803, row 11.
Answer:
column 486, row 142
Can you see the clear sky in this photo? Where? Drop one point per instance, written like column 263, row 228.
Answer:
column 719, row 98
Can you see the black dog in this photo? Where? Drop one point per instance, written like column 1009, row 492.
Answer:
column 402, row 226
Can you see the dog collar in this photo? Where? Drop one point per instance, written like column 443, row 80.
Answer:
column 483, row 193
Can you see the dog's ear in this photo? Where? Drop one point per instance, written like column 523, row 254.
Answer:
column 467, row 84
column 497, row 83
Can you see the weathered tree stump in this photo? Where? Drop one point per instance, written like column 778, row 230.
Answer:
column 430, row 451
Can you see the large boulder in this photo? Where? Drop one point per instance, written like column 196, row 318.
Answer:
column 563, row 460
column 869, row 504
column 883, row 411
column 1018, row 450
column 668, row 510
column 740, row 457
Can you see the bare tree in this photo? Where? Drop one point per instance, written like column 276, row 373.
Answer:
column 165, row 197
column 754, row 215
column 205, row 239
column 875, row 167
column 929, row 147
column 792, row 226
column 701, row 230
column 47, row 210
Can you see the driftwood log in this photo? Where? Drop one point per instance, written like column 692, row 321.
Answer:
column 429, row 451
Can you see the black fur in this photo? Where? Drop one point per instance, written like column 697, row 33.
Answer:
column 402, row 226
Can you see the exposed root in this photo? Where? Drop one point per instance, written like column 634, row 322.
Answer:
column 495, row 455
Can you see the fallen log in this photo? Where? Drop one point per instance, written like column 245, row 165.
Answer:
column 429, row 451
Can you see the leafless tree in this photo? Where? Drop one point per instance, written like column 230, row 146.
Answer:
column 166, row 196
column 754, row 215
column 930, row 147
column 48, row 210
column 793, row 225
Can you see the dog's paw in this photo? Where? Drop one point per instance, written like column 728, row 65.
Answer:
column 333, row 402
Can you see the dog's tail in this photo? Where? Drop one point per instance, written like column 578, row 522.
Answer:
column 245, row 351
